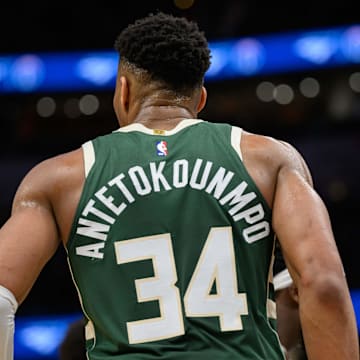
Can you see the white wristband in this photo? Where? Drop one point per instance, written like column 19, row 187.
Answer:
column 8, row 307
column 282, row 280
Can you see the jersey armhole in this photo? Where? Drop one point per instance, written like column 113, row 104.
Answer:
column 236, row 133
column 89, row 156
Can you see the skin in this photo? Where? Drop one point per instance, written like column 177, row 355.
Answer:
column 288, row 320
column 46, row 200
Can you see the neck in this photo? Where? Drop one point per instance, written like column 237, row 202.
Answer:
column 164, row 117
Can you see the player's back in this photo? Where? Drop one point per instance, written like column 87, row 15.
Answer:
column 171, row 247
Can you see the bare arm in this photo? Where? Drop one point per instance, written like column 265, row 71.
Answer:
column 32, row 234
column 301, row 222
column 30, row 237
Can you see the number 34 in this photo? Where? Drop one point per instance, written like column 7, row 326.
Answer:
column 216, row 264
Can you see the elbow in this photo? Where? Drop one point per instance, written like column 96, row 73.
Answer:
column 328, row 286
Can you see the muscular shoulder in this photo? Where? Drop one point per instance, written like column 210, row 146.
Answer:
column 266, row 157
column 261, row 148
column 52, row 172
column 53, row 185
column 276, row 153
column 46, row 180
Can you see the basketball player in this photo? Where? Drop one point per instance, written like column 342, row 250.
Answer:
column 169, row 223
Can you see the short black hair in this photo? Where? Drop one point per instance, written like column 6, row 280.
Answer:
column 171, row 49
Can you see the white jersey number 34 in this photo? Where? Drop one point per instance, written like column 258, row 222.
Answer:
column 215, row 265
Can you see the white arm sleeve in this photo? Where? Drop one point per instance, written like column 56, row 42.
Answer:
column 8, row 307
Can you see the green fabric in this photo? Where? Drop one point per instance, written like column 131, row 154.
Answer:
column 175, row 211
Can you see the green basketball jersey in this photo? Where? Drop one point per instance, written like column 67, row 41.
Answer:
column 171, row 247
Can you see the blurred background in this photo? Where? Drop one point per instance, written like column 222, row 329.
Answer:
column 287, row 69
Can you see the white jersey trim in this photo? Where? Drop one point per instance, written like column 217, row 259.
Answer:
column 270, row 304
column 271, row 309
column 89, row 156
column 89, row 331
column 140, row 127
column 236, row 133
column 89, row 327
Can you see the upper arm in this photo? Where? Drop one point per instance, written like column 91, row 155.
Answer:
column 301, row 222
column 30, row 236
column 295, row 161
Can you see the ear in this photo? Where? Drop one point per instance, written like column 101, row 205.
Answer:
column 202, row 101
column 124, row 94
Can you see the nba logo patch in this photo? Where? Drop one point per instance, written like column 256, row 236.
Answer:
column 161, row 148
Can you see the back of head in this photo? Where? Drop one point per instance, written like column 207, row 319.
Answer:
column 169, row 49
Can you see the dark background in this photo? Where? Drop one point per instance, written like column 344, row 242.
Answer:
column 325, row 129
column 32, row 26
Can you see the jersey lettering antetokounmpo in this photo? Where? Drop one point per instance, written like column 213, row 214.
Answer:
column 171, row 247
